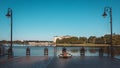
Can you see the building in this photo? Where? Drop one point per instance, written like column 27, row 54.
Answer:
column 60, row 37
column 56, row 37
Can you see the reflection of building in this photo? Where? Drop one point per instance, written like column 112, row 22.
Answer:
column 60, row 37
column 45, row 43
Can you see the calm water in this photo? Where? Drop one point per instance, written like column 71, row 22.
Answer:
column 20, row 50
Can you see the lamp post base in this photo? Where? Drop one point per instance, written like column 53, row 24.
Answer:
column 112, row 51
column 10, row 53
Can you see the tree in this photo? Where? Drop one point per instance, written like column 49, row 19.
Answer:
column 116, row 40
column 99, row 40
column 82, row 40
column 107, row 39
column 92, row 39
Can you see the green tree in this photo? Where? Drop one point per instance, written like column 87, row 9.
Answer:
column 107, row 39
column 116, row 40
column 92, row 39
column 99, row 40
column 82, row 40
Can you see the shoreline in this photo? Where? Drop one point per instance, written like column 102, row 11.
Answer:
column 72, row 45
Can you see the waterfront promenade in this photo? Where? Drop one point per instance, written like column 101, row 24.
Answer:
column 55, row 62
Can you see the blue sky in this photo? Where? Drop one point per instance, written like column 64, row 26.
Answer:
column 44, row 19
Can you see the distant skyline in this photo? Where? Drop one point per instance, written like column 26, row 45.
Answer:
column 44, row 19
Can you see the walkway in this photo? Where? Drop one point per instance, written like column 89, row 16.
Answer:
column 50, row 62
column 85, row 62
column 26, row 62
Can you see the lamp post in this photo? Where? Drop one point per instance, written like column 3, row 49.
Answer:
column 9, row 14
column 109, row 10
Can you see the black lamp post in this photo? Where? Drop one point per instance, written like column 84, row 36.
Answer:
column 109, row 10
column 9, row 14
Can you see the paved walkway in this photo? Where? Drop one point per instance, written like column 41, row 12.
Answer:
column 84, row 62
column 26, row 62
column 55, row 62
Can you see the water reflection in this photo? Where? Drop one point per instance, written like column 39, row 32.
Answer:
column 74, row 50
column 92, row 50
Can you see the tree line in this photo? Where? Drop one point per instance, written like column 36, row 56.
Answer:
column 92, row 39
column 21, row 42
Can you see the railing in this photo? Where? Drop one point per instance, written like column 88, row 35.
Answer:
column 55, row 51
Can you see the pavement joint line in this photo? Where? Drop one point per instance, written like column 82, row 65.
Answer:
column 49, row 62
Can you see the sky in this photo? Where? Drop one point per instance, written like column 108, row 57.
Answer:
column 44, row 19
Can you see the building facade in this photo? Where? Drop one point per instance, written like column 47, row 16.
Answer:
column 60, row 37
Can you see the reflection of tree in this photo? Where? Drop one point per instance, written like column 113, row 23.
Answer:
column 117, row 50
column 92, row 50
column 74, row 50
column 106, row 49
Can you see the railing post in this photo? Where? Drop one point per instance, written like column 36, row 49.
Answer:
column 101, row 52
column 10, row 53
column 112, row 51
column 55, row 51
column 27, row 51
column 0, row 50
column 82, row 51
column 45, row 51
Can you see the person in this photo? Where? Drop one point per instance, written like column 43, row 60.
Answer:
column 63, row 50
column 64, row 54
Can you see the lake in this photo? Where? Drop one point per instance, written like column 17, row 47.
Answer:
column 20, row 50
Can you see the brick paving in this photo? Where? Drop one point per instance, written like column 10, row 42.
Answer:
column 85, row 62
column 55, row 62
column 26, row 62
